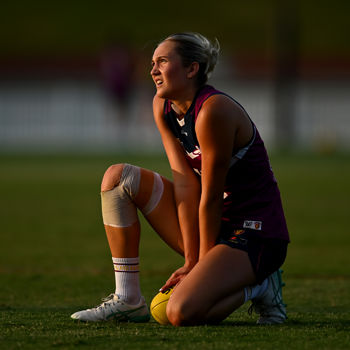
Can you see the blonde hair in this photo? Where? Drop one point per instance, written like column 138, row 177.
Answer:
column 194, row 47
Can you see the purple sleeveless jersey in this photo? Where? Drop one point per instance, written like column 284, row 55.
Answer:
column 251, row 197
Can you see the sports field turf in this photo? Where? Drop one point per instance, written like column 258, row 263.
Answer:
column 54, row 259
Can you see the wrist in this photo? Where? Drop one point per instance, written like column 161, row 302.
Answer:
column 190, row 262
column 204, row 250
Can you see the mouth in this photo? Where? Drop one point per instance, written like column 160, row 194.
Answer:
column 158, row 82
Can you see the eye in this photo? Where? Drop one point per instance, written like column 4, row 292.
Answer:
column 162, row 61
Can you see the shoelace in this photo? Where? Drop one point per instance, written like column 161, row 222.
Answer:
column 106, row 300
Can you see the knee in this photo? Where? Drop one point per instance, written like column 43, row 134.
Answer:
column 112, row 177
column 181, row 314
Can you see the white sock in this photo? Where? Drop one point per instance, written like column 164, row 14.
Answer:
column 255, row 291
column 127, row 284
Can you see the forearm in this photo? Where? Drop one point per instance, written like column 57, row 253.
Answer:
column 209, row 224
column 187, row 200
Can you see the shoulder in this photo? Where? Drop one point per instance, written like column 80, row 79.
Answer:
column 158, row 107
column 223, row 118
column 220, row 109
column 159, row 114
column 158, row 103
column 222, row 104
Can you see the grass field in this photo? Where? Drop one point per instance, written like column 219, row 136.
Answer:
column 54, row 259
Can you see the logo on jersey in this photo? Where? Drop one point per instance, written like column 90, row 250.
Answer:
column 254, row 225
column 194, row 154
column 195, row 160
column 237, row 238
column 226, row 194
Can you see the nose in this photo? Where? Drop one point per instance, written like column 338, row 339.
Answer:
column 154, row 70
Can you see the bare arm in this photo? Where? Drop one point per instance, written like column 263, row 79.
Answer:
column 219, row 123
column 186, row 187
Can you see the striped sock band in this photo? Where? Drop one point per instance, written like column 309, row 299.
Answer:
column 127, row 284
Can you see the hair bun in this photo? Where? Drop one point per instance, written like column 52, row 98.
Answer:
column 213, row 54
column 195, row 47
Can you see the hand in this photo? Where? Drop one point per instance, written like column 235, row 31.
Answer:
column 176, row 277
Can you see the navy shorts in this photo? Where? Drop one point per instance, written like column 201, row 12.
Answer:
column 266, row 254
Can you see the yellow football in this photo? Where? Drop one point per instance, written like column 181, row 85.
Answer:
column 158, row 306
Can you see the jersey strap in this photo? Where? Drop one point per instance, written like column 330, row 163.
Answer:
column 241, row 153
column 209, row 91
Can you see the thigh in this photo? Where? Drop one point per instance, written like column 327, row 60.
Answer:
column 266, row 254
column 223, row 272
column 164, row 219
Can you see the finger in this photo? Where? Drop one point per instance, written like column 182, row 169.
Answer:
column 170, row 283
column 173, row 277
column 167, row 285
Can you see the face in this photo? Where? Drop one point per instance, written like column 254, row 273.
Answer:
column 171, row 78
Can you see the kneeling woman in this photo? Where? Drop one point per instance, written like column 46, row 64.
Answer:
column 222, row 211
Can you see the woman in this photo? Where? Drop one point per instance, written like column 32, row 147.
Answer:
column 222, row 211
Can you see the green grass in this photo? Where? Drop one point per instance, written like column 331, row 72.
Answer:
column 54, row 259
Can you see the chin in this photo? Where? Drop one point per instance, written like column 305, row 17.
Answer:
column 163, row 94
column 169, row 94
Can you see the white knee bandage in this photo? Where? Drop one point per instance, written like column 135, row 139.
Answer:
column 157, row 191
column 118, row 209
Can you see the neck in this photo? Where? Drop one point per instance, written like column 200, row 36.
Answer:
column 181, row 105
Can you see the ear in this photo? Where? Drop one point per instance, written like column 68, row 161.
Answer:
column 192, row 70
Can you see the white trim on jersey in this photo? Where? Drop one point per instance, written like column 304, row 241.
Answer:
column 240, row 154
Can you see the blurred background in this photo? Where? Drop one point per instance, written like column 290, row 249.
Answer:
column 74, row 75
column 76, row 97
